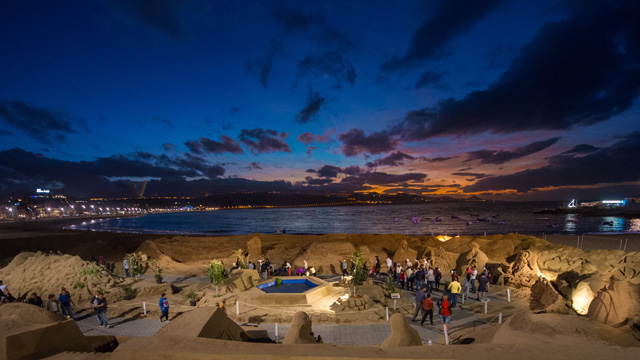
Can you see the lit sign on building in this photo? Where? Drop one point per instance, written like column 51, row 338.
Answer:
column 43, row 191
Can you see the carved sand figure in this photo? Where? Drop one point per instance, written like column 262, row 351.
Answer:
column 524, row 270
column 614, row 305
column 254, row 247
column 401, row 333
column 404, row 252
column 300, row 331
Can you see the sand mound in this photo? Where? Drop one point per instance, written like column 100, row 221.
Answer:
column 205, row 322
column 401, row 334
column 47, row 274
column 300, row 331
column 29, row 313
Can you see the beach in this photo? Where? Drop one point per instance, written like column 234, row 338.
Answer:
column 559, row 332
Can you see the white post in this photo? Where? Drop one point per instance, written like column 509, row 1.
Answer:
column 446, row 334
column 394, row 304
column 625, row 244
column 485, row 307
column 500, row 318
column 144, row 307
column 237, row 308
column 508, row 295
column 485, row 234
column 276, row 332
column 387, row 313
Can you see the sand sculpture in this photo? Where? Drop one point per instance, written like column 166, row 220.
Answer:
column 615, row 304
column 205, row 322
column 300, row 331
column 474, row 257
column 29, row 332
column 404, row 252
column 401, row 333
column 254, row 247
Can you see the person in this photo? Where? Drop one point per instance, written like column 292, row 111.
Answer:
column 278, row 231
column 427, row 306
column 100, row 304
column 377, row 266
column 3, row 292
column 455, row 288
column 164, row 307
column 35, row 300
column 467, row 284
column 454, row 275
column 125, row 263
column 344, row 268
column 419, row 276
column 438, row 276
column 305, row 264
column 419, row 300
column 389, row 266
column 289, row 268
column 300, row 271
column 65, row 304
column 312, row 271
column 431, row 279
column 402, row 278
column 51, row 304
column 103, row 262
column 410, row 277
column 268, row 262
column 284, row 231
column 483, row 286
column 398, row 272
column 473, row 276
column 263, row 270
column 251, row 265
column 445, row 310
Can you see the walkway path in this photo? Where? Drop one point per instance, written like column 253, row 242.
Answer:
column 337, row 334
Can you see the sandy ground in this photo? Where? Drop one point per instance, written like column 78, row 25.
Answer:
column 525, row 334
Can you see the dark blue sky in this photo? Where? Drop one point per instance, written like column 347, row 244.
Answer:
column 503, row 99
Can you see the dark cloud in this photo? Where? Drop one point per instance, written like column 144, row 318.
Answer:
column 163, row 121
column 41, row 124
column 166, row 16
column 208, row 146
column 431, row 79
column 474, row 175
column 451, row 19
column 314, row 103
column 502, row 156
column 306, row 138
column 440, row 159
column 394, row 159
column 254, row 166
column 380, row 178
column 168, row 147
column 582, row 149
column 331, row 63
column 4, row 132
column 295, row 20
column 264, row 141
column 575, row 72
column 615, row 164
column 356, row 142
column 318, row 181
column 329, row 171
column 444, row 186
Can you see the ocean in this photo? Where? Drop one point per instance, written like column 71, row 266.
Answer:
column 470, row 218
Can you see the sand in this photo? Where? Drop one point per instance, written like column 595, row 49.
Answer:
column 551, row 335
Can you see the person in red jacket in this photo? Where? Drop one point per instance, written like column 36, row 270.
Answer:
column 445, row 310
column 427, row 305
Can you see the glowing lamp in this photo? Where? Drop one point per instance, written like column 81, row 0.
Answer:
column 443, row 238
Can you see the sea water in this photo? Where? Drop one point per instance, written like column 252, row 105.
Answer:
column 469, row 218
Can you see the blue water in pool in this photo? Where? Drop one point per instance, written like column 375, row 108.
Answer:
column 290, row 286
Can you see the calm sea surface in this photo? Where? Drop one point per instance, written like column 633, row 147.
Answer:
column 455, row 219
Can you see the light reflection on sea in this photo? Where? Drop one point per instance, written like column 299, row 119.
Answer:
column 454, row 220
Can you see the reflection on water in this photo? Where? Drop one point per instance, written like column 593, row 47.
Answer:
column 430, row 219
column 634, row 225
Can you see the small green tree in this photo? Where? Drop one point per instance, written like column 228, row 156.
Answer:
column 157, row 270
column 215, row 273
column 359, row 275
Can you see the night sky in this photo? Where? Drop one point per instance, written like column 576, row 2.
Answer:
column 512, row 100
